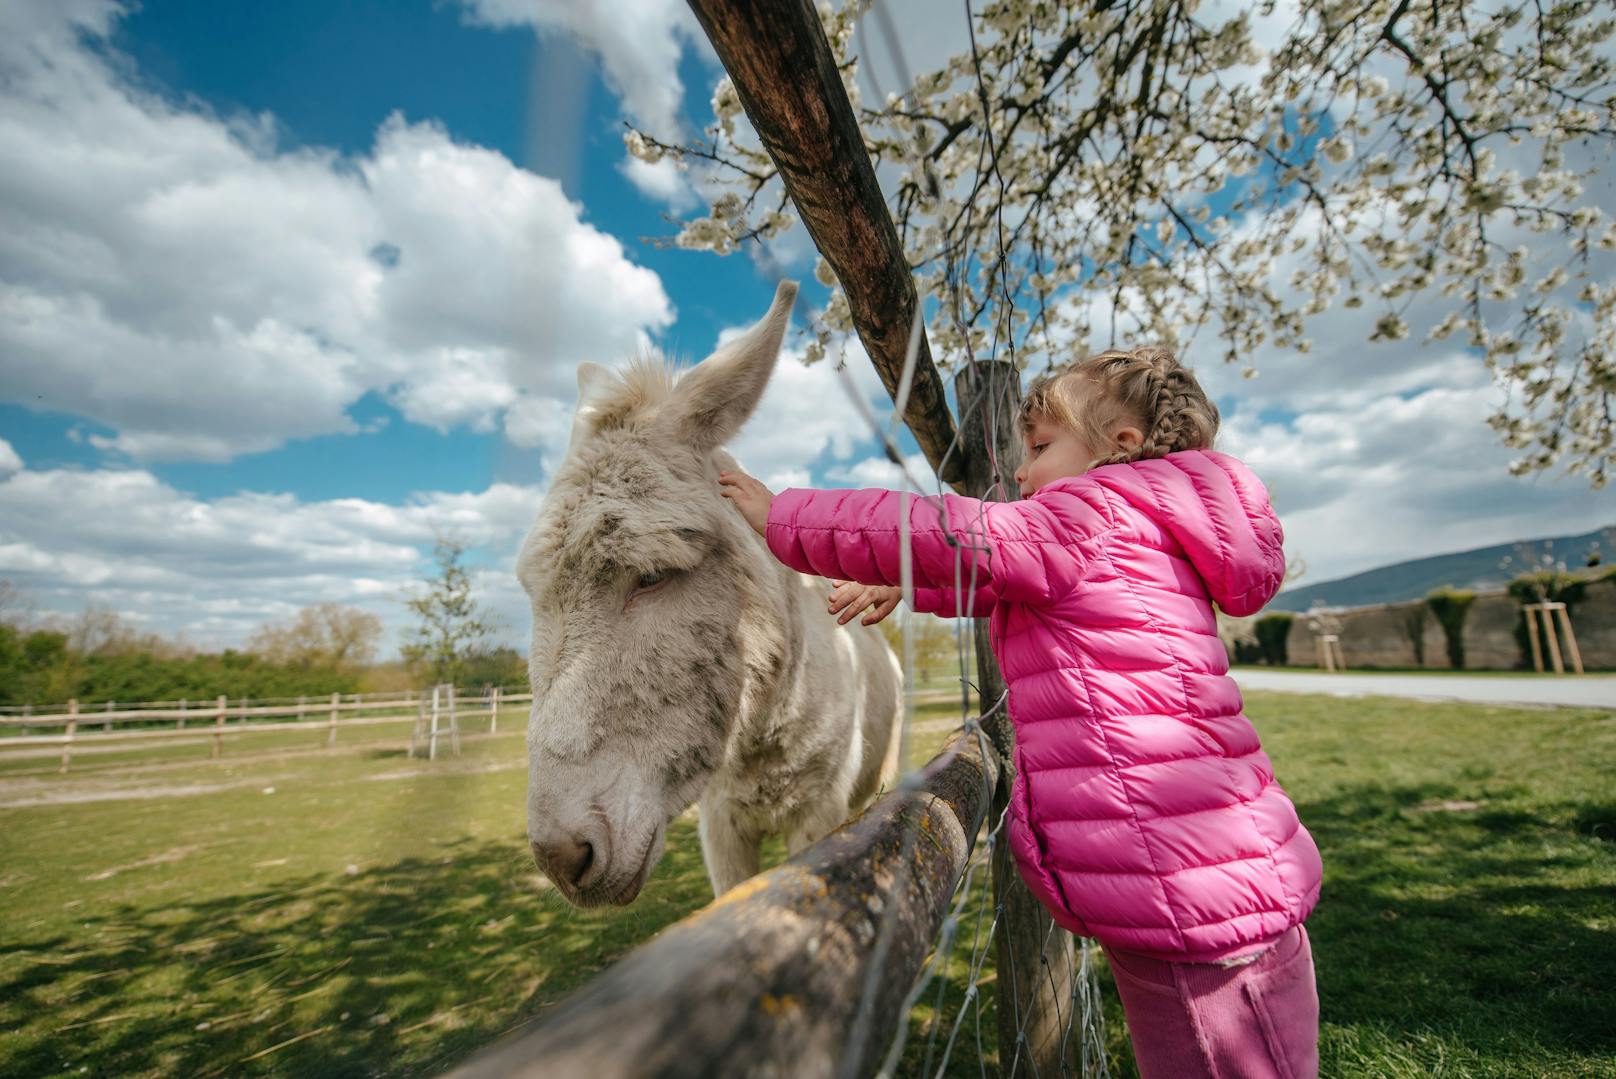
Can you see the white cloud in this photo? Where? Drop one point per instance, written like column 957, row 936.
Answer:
column 174, row 276
column 639, row 44
column 881, row 472
column 1402, row 478
column 9, row 460
column 217, row 569
column 662, row 181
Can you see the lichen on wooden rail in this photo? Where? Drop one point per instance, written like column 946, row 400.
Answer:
column 769, row 978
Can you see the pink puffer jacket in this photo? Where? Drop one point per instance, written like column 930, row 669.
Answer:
column 1144, row 811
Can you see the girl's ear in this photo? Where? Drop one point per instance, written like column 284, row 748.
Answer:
column 1129, row 438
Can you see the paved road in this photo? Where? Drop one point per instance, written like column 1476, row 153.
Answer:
column 1585, row 691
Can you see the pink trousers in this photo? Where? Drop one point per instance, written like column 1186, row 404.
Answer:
column 1259, row 1020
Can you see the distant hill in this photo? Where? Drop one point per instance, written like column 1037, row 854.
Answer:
column 1481, row 568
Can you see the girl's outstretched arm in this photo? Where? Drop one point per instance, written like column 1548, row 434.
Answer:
column 1020, row 551
column 956, row 603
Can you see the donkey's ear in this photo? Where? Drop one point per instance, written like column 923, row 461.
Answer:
column 713, row 399
column 590, row 376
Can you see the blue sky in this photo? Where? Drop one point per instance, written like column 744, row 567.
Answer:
column 330, row 75
column 286, row 289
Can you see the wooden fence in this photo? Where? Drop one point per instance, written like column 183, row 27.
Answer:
column 135, row 727
column 804, row 970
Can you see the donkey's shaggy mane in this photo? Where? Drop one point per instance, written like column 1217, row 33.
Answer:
column 641, row 388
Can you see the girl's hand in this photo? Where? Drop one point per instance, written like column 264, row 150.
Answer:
column 749, row 496
column 850, row 598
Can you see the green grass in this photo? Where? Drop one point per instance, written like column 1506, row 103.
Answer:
column 375, row 915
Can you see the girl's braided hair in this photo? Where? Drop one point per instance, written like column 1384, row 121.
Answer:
column 1144, row 387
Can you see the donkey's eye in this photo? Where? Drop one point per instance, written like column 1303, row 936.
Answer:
column 651, row 580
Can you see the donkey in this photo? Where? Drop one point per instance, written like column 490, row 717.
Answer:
column 673, row 658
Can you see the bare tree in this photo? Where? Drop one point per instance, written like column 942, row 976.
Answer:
column 324, row 635
column 97, row 631
column 1110, row 167
column 14, row 606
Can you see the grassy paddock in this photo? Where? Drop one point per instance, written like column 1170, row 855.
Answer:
column 354, row 912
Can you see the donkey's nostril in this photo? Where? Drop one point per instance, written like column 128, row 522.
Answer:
column 566, row 861
column 584, row 862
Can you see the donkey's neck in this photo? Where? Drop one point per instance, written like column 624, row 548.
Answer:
column 774, row 654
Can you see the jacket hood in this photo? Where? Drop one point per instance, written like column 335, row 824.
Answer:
column 1218, row 512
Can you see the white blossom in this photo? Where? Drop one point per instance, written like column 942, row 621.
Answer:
column 1162, row 207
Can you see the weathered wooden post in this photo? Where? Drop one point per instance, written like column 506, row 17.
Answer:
column 184, row 704
column 1529, row 611
column 493, row 714
column 420, row 724
column 331, row 737
column 1330, row 657
column 1548, row 610
column 72, row 726
column 1033, row 955
column 106, row 724
column 1570, row 637
column 223, row 705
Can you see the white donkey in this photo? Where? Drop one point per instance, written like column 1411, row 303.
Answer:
column 673, row 657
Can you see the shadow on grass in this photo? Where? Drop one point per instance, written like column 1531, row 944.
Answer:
column 1476, row 919
column 396, row 970
column 1597, row 821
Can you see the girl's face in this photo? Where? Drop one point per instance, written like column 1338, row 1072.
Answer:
column 1050, row 452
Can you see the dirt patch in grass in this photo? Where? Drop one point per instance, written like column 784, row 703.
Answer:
column 20, row 793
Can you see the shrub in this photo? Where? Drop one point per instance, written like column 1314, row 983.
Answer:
column 1451, row 606
column 1273, row 630
column 1414, row 628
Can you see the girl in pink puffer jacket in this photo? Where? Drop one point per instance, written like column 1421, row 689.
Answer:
column 1144, row 812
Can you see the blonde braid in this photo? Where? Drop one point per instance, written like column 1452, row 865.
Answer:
column 1144, row 387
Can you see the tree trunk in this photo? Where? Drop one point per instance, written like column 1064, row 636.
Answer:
column 777, row 57
column 1033, row 955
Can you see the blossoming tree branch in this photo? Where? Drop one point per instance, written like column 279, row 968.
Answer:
column 1089, row 170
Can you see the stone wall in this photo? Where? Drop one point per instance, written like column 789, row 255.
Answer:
column 1377, row 636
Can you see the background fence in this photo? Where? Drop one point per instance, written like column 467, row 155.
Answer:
column 69, row 729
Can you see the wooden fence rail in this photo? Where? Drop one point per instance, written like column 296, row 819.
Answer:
column 17, row 711
column 223, row 718
column 55, row 719
column 804, row 970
